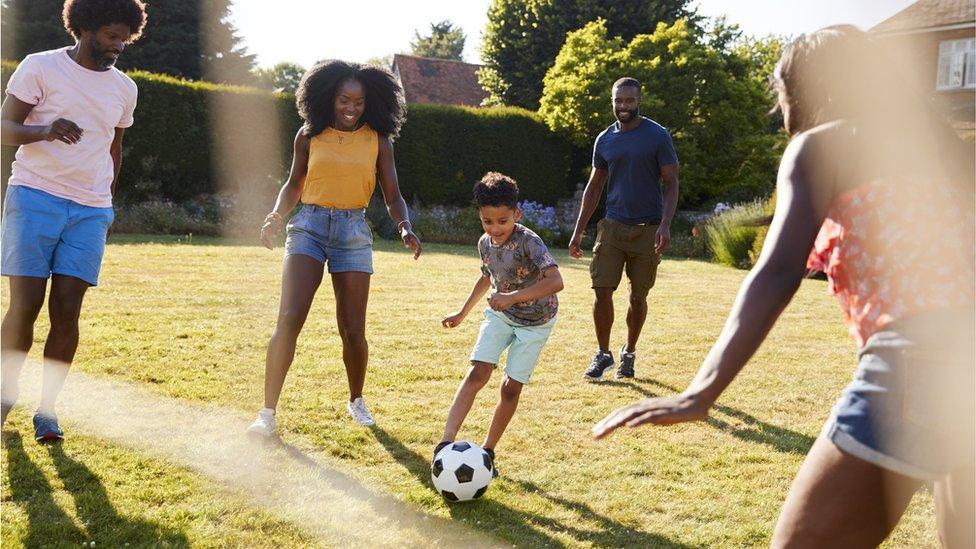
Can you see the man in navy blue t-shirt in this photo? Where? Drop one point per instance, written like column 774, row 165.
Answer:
column 632, row 158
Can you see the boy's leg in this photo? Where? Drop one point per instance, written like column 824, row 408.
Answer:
column 17, row 333
column 477, row 377
column 507, row 403
column 64, row 308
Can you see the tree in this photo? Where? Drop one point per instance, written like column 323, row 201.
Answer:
column 284, row 76
column 383, row 62
column 444, row 42
column 522, row 38
column 181, row 38
column 710, row 99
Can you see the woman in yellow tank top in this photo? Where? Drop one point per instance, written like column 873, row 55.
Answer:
column 351, row 114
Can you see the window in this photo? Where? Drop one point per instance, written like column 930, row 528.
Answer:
column 957, row 65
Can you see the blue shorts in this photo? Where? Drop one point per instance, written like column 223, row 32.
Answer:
column 43, row 234
column 524, row 344
column 340, row 238
column 910, row 406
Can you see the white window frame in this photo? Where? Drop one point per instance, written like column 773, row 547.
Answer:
column 957, row 65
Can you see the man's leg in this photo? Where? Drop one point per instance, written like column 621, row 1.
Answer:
column 64, row 308
column 642, row 272
column 603, row 317
column 17, row 333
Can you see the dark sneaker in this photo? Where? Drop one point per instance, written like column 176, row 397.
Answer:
column 602, row 363
column 626, row 369
column 46, row 428
column 491, row 456
column 4, row 410
column 440, row 446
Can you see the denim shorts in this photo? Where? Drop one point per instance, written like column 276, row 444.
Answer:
column 43, row 234
column 910, row 407
column 524, row 344
column 339, row 238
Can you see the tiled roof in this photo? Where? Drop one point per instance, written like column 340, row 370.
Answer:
column 427, row 80
column 929, row 13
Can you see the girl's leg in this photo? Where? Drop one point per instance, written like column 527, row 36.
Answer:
column 954, row 508
column 838, row 500
column 477, row 377
column 507, row 403
column 352, row 293
column 301, row 278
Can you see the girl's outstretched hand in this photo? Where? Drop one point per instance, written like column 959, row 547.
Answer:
column 659, row 411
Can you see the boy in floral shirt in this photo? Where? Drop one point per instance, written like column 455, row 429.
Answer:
column 524, row 279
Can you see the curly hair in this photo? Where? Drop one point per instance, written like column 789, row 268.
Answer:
column 91, row 15
column 316, row 93
column 835, row 73
column 496, row 189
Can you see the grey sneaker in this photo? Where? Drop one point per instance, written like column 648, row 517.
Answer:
column 359, row 411
column 602, row 363
column 626, row 369
column 46, row 428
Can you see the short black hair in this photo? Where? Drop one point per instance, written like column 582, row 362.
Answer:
column 91, row 15
column 316, row 92
column 627, row 81
column 496, row 189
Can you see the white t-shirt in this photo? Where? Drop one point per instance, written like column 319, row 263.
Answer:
column 97, row 101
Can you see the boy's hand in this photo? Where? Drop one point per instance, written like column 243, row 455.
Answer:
column 453, row 320
column 499, row 301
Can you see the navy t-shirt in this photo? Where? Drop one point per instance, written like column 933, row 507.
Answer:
column 634, row 159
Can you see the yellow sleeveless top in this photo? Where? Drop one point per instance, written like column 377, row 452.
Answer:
column 341, row 168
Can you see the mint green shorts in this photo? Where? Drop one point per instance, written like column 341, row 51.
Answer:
column 524, row 344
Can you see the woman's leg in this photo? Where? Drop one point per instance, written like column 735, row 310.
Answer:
column 351, row 294
column 838, row 500
column 954, row 508
column 301, row 278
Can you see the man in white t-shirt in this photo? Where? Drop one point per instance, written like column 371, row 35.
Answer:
column 67, row 109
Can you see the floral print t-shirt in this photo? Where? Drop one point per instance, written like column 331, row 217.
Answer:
column 517, row 264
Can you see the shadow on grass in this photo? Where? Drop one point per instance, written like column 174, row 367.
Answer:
column 750, row 429
column 520, row 527
column 48, row 524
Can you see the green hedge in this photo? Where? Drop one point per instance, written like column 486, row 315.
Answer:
column 171, row 152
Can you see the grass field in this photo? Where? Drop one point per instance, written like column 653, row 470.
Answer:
column 185, row 326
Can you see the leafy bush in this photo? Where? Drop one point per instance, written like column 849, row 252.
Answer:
column 732, row 232
column 769, row 206
column 447, row 224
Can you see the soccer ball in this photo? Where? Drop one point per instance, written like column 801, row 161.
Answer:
column 461, row 471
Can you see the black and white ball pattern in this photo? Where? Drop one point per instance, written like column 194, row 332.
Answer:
column 461, row 471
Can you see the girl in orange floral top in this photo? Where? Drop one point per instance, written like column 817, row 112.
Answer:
column 881, row 189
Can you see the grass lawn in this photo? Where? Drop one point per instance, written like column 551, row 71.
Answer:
column 188, row 324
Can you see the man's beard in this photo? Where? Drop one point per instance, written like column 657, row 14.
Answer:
column 102, row 57
column 633, row 115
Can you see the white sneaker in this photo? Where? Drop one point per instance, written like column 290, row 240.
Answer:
column 264, row 426
column 359, row 411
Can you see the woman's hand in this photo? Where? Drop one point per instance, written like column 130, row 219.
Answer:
column 659, row 411
column 410, row 240
column 273, row 224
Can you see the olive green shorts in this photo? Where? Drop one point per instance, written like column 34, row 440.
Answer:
column 623, row 248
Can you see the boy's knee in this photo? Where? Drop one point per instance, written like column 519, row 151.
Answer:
column 511, row 389
column 480, row 373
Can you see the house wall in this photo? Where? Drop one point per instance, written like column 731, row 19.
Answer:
column 919, row 55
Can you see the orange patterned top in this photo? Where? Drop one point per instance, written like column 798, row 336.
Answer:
column 893, row 248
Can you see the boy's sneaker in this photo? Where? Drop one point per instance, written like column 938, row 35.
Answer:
column 440, row 446
column 359, row 411
column 626, row 369
column 602, row 363
column 264, row 426
column 491, row 456
column 46, row 428
column 4, row 410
